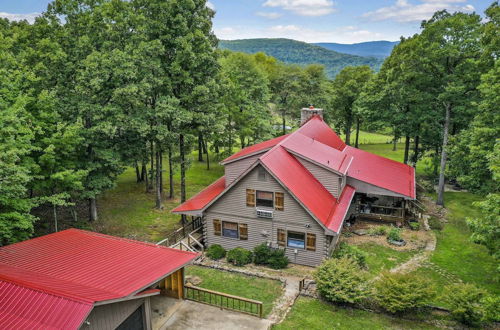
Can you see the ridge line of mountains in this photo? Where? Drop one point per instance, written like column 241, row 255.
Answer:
column 333, row 56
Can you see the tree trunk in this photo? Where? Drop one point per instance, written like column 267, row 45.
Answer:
column 143, row 171
column 356, row 144
column 137, row 173
column 217, row 150
column 283, row 123
column 395, row 140
column 407, row 149
column 183, row 172
column 170, row 174
column 146, row 178
column 55, row 217
column 205, row 147
column 93, row 209
column 440, row 199
column 74, row 213
column 415, row 151
column 348, row 126
column 200, row 147
column 158, row 178
column 152, row 167
column 161, row 169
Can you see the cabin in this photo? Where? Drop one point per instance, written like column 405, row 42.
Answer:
column 76, row 279
column 295, row 192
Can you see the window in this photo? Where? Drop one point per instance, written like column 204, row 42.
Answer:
column 311, row 242
column 243, row 231
column 261, row 174
column 281, row 237
column 230, row 229
column 296, row 240
column 217, row 227
column 250, row 197
column 279, row 200
column 265, row 198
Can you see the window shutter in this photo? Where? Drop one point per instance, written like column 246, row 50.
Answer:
column 281, row 237
column 250, row 197
column 311, row 242
column 243, row 231
column 279, row 200
column 217, row 227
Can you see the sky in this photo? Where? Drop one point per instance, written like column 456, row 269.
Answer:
column 342, row 21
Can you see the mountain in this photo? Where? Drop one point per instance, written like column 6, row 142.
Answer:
column 379, row 49
column 297, row 52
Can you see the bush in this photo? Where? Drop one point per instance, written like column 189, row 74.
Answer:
column 394, row 234
column 435, row 223
column 398, row 293
column 278, row 259
column 471, row 305
column 261, row 254
column 350, row 251
column 341, row 280
column 216, row 252
column 239, row 256
column 415, row 225
column 378, row 231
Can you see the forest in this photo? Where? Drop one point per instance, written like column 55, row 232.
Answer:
column 95, row 87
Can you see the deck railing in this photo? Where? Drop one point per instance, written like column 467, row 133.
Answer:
column 223, row 300
column 386, row 211
column 182, row 232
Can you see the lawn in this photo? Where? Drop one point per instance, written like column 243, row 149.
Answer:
column 380, row 258
column 128, row 211
column 308, row 313
column 260, row 289
column 369, row 138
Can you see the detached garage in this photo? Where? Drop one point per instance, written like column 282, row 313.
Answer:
column 77, row 279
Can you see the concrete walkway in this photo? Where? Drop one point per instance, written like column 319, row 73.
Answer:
column 193, row 315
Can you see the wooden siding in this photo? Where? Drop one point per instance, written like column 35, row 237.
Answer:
column 363, row 187
column 108, row 317
column 236, row 168
column 328, row 179
column 232, row 208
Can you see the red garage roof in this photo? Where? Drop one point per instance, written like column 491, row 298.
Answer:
column 75, row 268
column 200, row 200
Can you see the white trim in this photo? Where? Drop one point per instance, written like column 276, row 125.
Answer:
column 314, row 162
column 246, row 156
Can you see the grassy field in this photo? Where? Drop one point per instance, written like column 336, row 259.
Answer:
column 261, row 289
column 369, row 138
column 380, row 258
column 312, row 314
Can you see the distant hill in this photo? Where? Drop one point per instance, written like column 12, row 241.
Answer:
column 297, row 52
column 379, row 49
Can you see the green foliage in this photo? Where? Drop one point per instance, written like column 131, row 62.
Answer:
column 341, row 280
column 435, row 223
column 398, row 293
column 394, row 234
column 216, row 252
column 239, row 256
column 261, row 254
column 470, row 305
column 301, row 53
column 415, row 225
column 378, row 231
column 345, row 250
column 278, row 259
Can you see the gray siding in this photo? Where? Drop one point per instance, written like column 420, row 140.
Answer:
column 110, row 316
column 232, row 207
column 328, row 179
column 235, row 169
column 363, row 187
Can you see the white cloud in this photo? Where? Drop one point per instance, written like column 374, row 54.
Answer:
column 268, row 15
column 403, row 11
column 303, row 7
column 346, row 34
column 19, row 17
column 210, row 5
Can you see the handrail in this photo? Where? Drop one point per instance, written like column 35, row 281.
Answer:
column 223, row 300
column 180, row 233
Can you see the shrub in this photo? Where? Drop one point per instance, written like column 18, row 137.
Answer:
column 341, row 280
column 398, row 293
column 435, row 223
column 394, row 234
column 261, row 254
column 351, row 251
column 278, row 259
column 378, row 231
column 239, row 256
column 216, row 252
column 471, row 305
column 415, row 225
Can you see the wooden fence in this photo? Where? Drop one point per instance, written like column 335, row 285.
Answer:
column 222, row 300
column 181, row 233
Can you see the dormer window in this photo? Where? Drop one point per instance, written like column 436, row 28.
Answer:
column 265, row 198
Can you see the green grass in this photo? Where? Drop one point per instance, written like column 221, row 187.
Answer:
column 308, row 313
column 260, row 289
column 369, row 138
column 380, row 258
column 128, row 211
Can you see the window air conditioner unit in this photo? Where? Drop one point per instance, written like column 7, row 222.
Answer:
column 264, row 214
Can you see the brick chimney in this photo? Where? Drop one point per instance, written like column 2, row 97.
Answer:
column 307, row 113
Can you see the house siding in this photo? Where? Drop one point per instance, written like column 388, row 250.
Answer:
column 363, row 187
column 232, row 207
column 110, row 316
column 328, row 179
column 233, row 170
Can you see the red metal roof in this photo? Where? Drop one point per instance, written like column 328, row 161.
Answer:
column 254, row 149
column 317, row 129
column 381, row 172
column 338, row 215
column 81, row 267
column 200, row 200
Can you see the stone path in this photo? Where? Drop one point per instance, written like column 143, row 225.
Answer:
column 283, row 305
column 417, row 260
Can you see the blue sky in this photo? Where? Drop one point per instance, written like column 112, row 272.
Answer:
column 344, row 21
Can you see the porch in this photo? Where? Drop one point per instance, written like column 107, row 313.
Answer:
column 385, row 208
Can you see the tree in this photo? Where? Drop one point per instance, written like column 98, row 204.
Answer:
column 346, row 88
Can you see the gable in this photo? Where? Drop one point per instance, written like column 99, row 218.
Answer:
column 234, row 169
column 330, row 180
